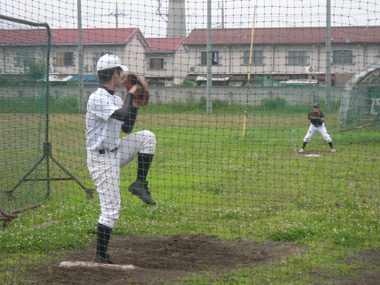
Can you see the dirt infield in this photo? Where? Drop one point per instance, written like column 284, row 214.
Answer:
column 166, row 260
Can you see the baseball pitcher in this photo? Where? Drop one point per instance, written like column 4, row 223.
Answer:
column 106, row 116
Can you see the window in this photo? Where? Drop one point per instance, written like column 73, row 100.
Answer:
column 64, row 59
column 257, row 57
column 156, row 63
column 298, row 57
column 214, row 58
column 342, row 57
column 24, row 58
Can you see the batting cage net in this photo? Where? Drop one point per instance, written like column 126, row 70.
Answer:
column 25, row 47
column 247, row 153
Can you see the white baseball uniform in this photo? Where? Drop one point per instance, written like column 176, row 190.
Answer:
column 106, row 152
column 317, row 126
column 320, row 129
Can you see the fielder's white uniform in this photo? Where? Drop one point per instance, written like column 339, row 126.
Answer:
column 317, row 126
column 320, row 129
column 106, row 152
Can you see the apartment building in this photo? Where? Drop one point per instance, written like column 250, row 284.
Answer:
column 278, row 55
column 294, row 55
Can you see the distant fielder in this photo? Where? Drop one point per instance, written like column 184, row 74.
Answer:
column 317, row 124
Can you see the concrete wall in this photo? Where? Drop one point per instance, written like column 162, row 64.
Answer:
column 234, row 95
column 163, row 95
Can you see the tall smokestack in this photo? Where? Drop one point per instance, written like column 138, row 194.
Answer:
column 176, row 19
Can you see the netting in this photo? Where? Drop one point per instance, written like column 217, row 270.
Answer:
column 243, row 193
column 23, row 113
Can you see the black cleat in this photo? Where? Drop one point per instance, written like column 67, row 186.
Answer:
column 141, row 190
column 99, row 259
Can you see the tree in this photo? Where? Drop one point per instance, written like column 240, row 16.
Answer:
column 37, row 70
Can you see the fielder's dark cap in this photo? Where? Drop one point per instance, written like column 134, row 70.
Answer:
column 315, row 105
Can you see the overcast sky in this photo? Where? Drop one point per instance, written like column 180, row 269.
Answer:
column 146, row 14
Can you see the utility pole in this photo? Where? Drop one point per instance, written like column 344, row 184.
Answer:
column 117, row 18
column 222, row 14
column 117, row 14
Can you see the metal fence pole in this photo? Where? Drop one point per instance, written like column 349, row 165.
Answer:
column 328, row 53
column 80, row 58
column 209, row 59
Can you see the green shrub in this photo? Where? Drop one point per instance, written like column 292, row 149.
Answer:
column 268, row 104
column 67, row 105
column 186, row 83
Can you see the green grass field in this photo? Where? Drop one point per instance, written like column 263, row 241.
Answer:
column 208, row 179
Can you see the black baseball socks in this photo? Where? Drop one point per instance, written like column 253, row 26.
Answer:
column 103, row 237
column 144, row 162
column 305, row 143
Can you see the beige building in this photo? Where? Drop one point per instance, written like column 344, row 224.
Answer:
column 128, row 43
column 279, row 55
column 282, row 54
column 20, row 47
column 165, row 61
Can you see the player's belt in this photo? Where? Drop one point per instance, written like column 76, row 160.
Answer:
column 103, row 151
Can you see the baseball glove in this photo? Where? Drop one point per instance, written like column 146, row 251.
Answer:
column 142, row 94
column 315, row 115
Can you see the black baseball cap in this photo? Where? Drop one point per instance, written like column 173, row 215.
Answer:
column 315, row 105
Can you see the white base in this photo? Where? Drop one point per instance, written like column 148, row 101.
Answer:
column 86, row 264
column 312, row 155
